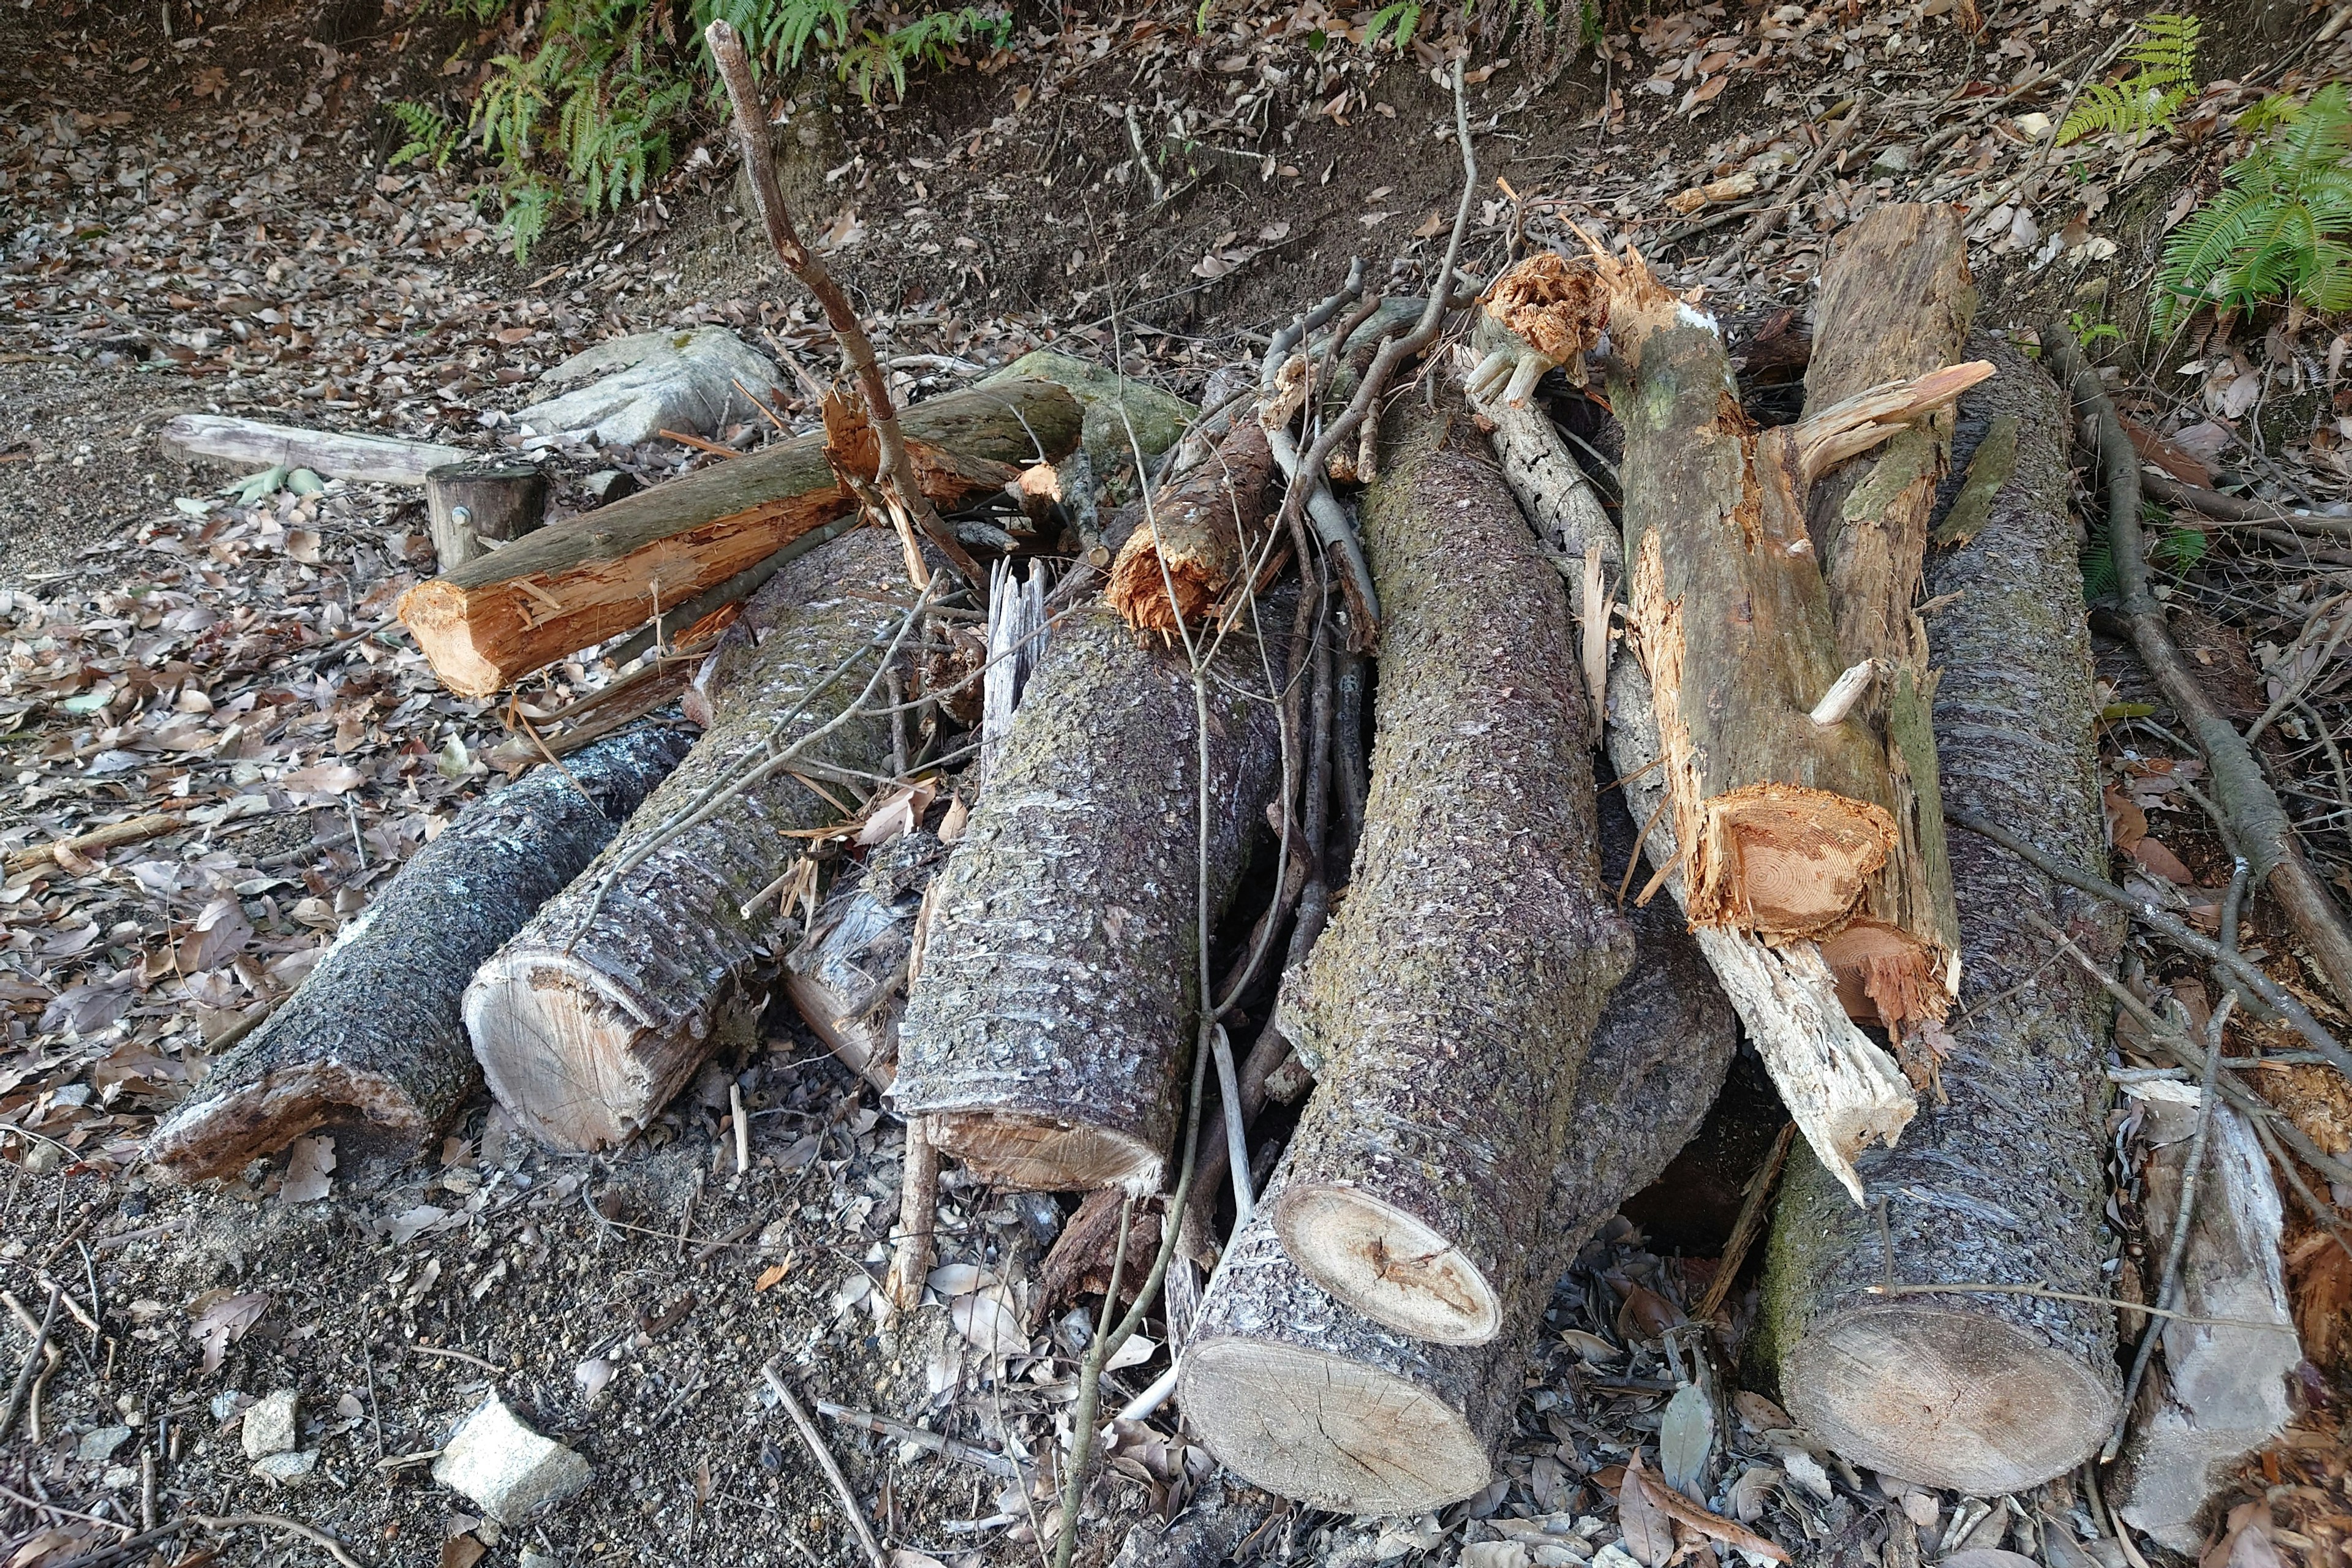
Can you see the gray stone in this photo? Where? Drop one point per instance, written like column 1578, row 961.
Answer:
column 270, row 1426
column 1159, row 417
column 2219, row 1389
column 287, row 1469
column 651, row 381
column 506, row 1469
column 100, row 1445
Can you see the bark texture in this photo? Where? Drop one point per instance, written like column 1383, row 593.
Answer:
column 599, row 1009
column 252, row 445
column 2004, row 1181
column 373, row 1037
column 466, row 503
column 1448, row 1007
column 1049, row 1036
column 502, row 615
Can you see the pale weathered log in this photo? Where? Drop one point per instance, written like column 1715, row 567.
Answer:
column 1842, row 1091
column 493, row 501
column 2221, row 1388
column 1048, row 1039
column 372, row 1040
column 572, row 585
column 848, row 976
column 330, row 454
column 2002, row 1181
column 1308, row 1398
column 1448, row 1007
column 604, row 1005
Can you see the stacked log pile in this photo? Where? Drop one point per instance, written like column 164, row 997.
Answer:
column 1078, row 836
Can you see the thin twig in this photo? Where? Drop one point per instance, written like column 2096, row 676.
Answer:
column 2044, row 1293
column 1744, row 1230
column 23, row 1390
column 946, row 1447
column 221, row 1523
column 918, row 1201
column 823, row 1457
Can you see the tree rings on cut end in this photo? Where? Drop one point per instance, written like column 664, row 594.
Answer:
column 1784, row 860
column 1885, row 976
column 1947, row 1398
column 1331, row 1432
column 1386, row 1264
column 1044, row 1155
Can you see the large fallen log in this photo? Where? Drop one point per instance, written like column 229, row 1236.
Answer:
column 574, row 583
column 1448, row 1007
column 1307, row 1397
column 1047, row 1041
column 372, row 1038
column 605, row 1003
column 2002, row 1183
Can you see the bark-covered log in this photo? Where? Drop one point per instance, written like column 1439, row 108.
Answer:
column 848, row 976
column 599, row 1009
column 1048, row 1039
column 1448, row 1007
column 569, row 586
column 1841, row 1088
column 1202, row 535
column 372, row 1038
column 2003, row 1182
column 1307, row 1397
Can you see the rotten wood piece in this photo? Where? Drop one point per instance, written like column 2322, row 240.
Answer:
column 1446, row 1010
column 2001, row 1180
column 373, row 1039
column 578, row 582
column 251, row 444
column 605, row 1005
column 1307, row 1397
column 848, row 976
column 474, row 507
column 1048, row 1039
column 1201, row 538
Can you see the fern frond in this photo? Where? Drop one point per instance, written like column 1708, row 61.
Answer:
column 2165, row 50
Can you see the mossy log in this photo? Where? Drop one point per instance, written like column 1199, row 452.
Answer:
column 1047, row 1041
column 575, row 583
column 1448, row 1007
column 373, row 1039
column 1307, row 1397
column 605, row 1003
column 2002, row 1181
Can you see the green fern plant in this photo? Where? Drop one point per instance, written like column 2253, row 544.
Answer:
column 433, row 136
column 1398, row 21
column 2281, row 226
column 2170, row 548
column 2166, row 53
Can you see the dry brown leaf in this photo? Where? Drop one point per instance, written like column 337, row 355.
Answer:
column 219, row 1317
column 1649, row 1530
column 2154, row 857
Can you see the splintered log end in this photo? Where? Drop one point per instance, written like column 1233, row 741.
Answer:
column 1388, row 1265
column 218, row 1135
column 1558, row 307
column 1039, row 1154
column 1143, row 579
column 1887, row 975
column 1331, row 1431
column 563, row 1057
column 434, row 613
column 1784, row 859
column 1962, row 1399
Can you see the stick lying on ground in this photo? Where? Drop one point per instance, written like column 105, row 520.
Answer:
column 1447, row 1008
column 373, row 1036
column 2005, row 1181
column 604, row 1004
column 1048, row 1039
column 1310, row 1399
column 575, row 583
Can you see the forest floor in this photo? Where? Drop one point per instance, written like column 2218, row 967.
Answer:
column 207, row 223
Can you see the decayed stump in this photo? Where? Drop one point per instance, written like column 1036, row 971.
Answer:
column 2003, row 1182
column 495, row 619
column 1307, row 1397
column 1048, row 1039
column 372, row 1038
column 1446, row 1010
column 598, row 1010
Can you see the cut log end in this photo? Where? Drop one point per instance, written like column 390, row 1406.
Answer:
column 1785, row 860
column 1977, row 1401
column 1142, row 582
column 434, row 613
column 1331, row 1432
column 1387, row 1264
column 1887, row 975
column 558, row 1054
column 1036, row 1155
column 219, row 1138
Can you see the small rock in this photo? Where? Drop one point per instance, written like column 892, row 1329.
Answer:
column 287, row 1469
column 695, row 382
column 537, row 1559
column 118, row 1479
column 1892, row 161
column 505, row 1467
column 270, row 1426
column 98, row 1447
